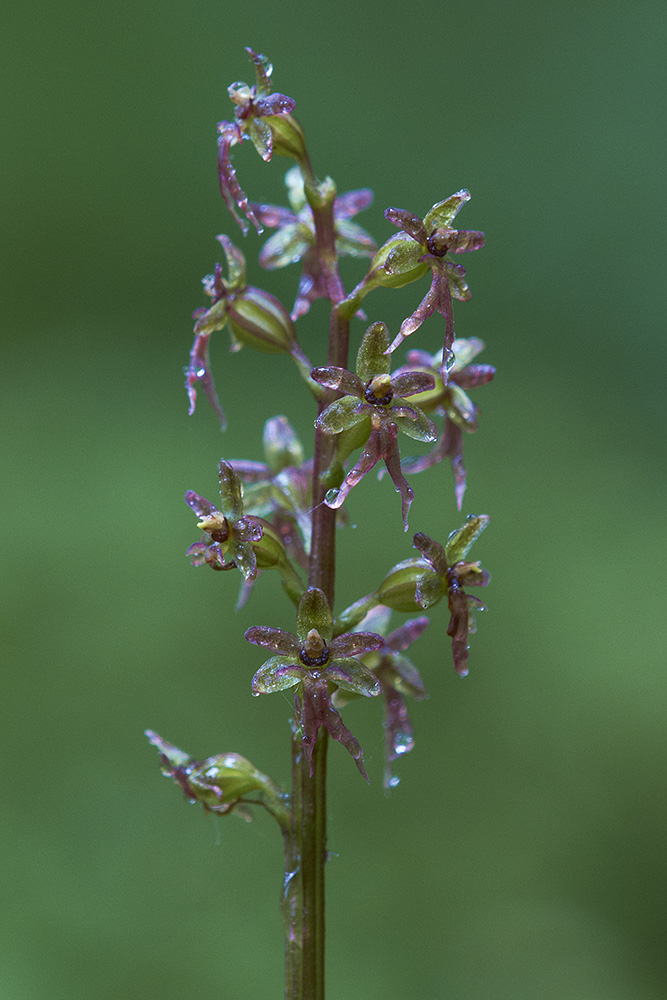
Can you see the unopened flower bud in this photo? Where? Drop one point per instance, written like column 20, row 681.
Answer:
column 288, row 137
column 398, row 590
column 260, row 320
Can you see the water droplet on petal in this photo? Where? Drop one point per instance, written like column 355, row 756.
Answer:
column 393, row 781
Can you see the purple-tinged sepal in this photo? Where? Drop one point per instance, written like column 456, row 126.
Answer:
column 224, row 784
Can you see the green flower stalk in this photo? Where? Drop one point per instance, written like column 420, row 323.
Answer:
column 279, row 510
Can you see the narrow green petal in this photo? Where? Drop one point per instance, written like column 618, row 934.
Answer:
column 277, row 674
column 263, row 71
column 457, row 282
column 371, row 357
column 235, row 263
column 465, row 350
column 414, row 422
column 460, row 408
column 282, row 446
column 353, row 241
column 258, row 499
column 341, row 415
column 444, row 212
column 213, row 319
column 314, row 612
column 296, row 194
column 260, row 135
column 231, row 492
column 460, row 541
column 352, row 675
column 287, row 246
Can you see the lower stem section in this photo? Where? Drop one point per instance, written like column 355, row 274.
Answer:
column 303, row 888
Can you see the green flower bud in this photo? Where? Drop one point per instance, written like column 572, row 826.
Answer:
column 220, row 783
column 288, row 138
column 398, row 590
column 269, row 550
column 260, row 320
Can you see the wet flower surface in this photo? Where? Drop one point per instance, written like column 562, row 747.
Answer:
column 314, row 658
column 450, row 572
column 294, row 239
column 221, row 783
column 424, row 244
column 371, row 412
column 398, row 678
column 257, row 117
column 453, row 403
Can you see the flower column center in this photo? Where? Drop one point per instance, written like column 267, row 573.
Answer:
column 439, row 242
column 378, row 391
column 314, row 652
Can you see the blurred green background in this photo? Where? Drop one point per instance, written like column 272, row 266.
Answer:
column 523, row 855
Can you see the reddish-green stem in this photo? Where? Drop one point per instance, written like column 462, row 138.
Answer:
column 305, row 843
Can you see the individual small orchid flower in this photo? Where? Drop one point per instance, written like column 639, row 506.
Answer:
column 221, row 783
column 294, row 239
column 373, row 410
column 422, row 581
column 452, row 401
column 312, row 659
column 452, row 572
column 265, row 119
column 423, row 244
column 234, row 539
column 398, row 678
column 253, row 317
